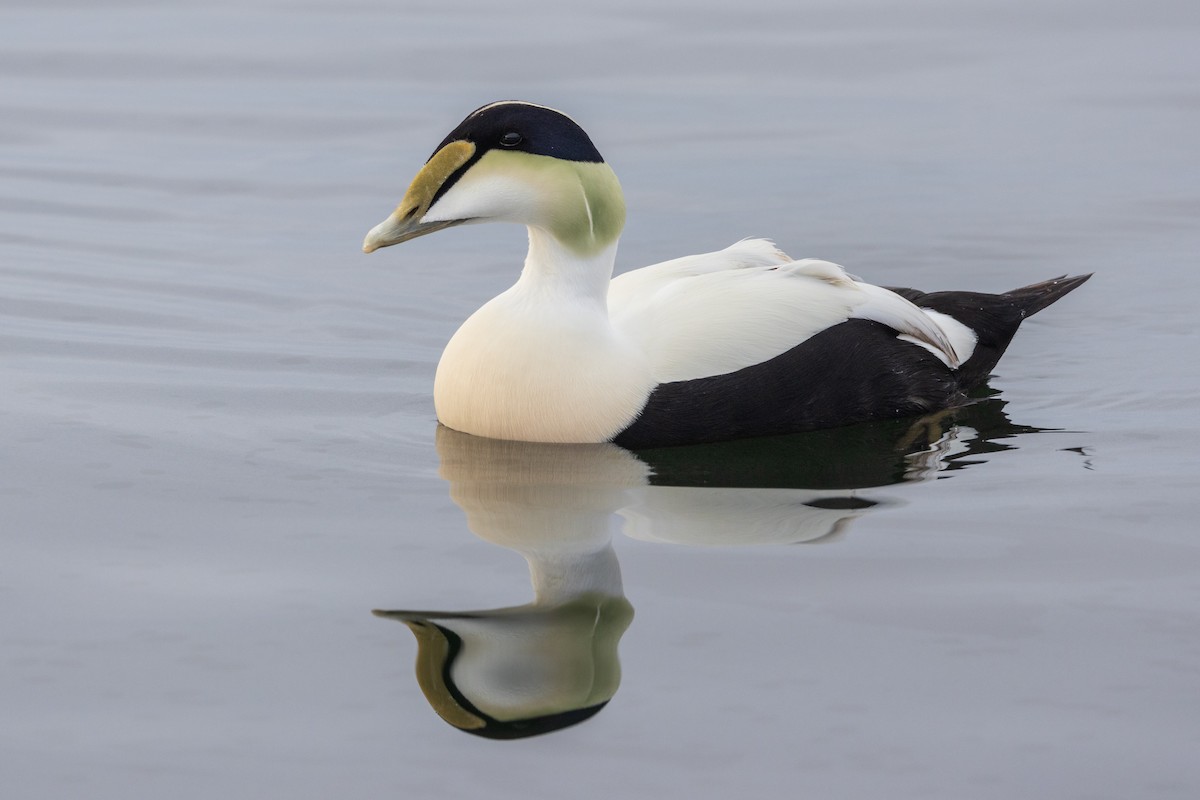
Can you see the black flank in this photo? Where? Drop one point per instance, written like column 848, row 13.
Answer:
column 852, row 372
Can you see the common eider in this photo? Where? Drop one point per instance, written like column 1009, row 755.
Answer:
column 732, row 344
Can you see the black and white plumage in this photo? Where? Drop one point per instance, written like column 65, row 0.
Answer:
column 737, row 343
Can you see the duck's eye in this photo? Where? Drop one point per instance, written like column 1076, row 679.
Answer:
column 511, row 139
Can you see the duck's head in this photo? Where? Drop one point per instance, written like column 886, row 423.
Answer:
column 510, row 673
column 512, row 162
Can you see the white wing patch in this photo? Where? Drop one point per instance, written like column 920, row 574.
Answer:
column 638, row 286
column 899, row 314
column 718, row 312
column 962, row 337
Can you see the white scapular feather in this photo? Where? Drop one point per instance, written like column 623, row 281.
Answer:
column 637, row 286
column 719, row 312
column 961, row 337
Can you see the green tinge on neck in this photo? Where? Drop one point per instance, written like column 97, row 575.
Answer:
column 589, row 210
column 578, row 203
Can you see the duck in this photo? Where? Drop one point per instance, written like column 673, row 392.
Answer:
column 738, row 343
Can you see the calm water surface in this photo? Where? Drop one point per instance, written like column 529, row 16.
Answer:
column 220, row 452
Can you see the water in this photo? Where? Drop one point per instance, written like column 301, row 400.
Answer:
column 220, row 453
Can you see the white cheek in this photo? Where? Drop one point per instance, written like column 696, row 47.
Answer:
column 493, row 197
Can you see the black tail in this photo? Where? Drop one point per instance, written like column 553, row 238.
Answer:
column 993, row 317
column 1036, row 296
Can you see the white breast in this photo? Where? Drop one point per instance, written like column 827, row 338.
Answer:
column 522, row 368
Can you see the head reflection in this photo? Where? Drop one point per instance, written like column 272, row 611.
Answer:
column 514, row 672
column 509, row 673
column 517, row 672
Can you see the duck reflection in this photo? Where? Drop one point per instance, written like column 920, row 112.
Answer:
column 514, row 672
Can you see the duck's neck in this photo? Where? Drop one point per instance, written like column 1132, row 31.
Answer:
column 562, row 575
column 555, row 272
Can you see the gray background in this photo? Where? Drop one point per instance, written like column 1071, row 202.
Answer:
column 216, row 431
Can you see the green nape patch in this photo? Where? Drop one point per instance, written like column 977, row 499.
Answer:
column 605, row 205
column 579, row 202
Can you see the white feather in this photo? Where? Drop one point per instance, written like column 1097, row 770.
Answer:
column 891, row 309
column 719, row 312
column 962, row 337
column 637, row 286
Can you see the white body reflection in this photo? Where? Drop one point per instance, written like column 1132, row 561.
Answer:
column 551, row 502
column 734, row 516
